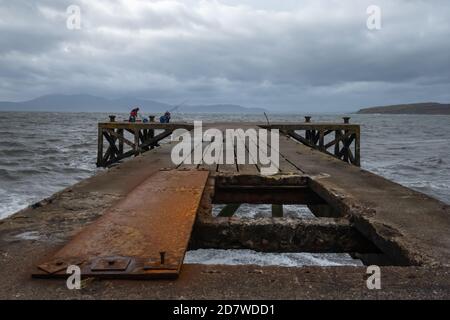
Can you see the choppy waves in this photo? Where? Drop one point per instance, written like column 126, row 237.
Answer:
column 42, row 153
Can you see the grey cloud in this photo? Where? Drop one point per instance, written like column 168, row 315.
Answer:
column 313, row 54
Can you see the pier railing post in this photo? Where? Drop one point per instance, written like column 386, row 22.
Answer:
column 308, row 132
column 151, row 132
column 121, row 136
column 136, row 142
column 100, row 147
column 322, row 140
column 337, row 137
column 346, row 141
column 357, row 148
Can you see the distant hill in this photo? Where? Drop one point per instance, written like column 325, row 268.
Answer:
column 219, row 108
column 90, row 103
column 415, row 108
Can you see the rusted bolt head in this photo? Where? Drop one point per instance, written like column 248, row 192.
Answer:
column 308, row 119
column 112, row 118
column 346, row 119
column 111, row 262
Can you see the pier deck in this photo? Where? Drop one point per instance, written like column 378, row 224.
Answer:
column 373, row 219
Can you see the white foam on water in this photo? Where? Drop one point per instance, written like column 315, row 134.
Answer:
column 12, row 205
column 249, row 257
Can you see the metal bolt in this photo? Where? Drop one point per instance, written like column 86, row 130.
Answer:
column 162, row 255
column 152, row 118
column 112, row 118
column 307, row 119
column 346, row 119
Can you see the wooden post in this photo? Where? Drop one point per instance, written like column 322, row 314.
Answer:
column 346, row 140
column 357, row 148
column 307, row 132
column 136, row 141
column 229, row 210
column 151, row 132
column 321, row 140
column 337, row 138
column 100, row 147
column 120, row 133
column 346, row 147
column 277, row 211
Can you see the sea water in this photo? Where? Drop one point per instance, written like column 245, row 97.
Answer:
column 41, row 153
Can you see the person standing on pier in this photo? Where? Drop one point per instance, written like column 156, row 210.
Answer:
column 133, row 115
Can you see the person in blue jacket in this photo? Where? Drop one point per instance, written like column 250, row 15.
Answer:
column 165, row 118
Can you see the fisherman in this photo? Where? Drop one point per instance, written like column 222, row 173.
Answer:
column 165, row 118
column 134, row 115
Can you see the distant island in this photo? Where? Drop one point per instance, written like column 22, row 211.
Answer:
column 415, row 108
column 90, row 103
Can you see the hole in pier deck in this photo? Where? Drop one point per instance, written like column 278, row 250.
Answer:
column 276, row 221
column 261, row 197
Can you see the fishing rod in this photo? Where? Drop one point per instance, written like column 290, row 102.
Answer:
column 178, row 106
column 267, row 118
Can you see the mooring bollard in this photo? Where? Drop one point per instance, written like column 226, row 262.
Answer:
column 346, row 120
column 307, row 119
column 112, row 118
column 151, row 118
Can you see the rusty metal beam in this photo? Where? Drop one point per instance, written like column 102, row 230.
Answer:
column 144, row 236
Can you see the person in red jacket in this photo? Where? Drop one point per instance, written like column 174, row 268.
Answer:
column 134, row 115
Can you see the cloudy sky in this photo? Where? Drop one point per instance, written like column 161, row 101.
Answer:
column 315, row 55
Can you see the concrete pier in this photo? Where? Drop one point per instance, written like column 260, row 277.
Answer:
column 365, row 215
